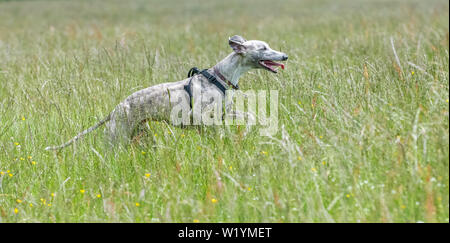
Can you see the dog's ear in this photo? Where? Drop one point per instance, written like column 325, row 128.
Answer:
column 236, row 42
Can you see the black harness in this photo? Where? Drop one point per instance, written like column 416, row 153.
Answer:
column 211, row 78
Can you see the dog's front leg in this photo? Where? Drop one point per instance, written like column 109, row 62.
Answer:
column 233, row 110
column 247, row 119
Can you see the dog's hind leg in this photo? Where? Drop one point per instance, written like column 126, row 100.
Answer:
column 120, row 127
column 117, row 132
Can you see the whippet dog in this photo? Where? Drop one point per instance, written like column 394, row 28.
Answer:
column 158, row 102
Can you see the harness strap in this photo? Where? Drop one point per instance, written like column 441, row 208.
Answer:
column 211, row 78
column 193, row 71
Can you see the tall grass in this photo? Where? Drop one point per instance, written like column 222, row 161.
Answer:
column 363, row 134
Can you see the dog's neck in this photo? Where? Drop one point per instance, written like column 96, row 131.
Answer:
column 232, row 67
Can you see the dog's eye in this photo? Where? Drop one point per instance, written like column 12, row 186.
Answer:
column 264, row 48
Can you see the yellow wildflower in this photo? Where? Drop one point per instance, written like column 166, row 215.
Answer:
column 23, row 118
column 402, row 206
column 19, row 201
column 230, row 168
column 31, row 205
column 33, row 162
column 99, row 196
column 214, row 200
column 10, row 175
column 52, row 194
column 313, row 169
column 82, row 191
column 16, row 143
column 299, row 158
column 147, row 175
column 348, row 195
column 16, row 210
column 196, row 221
column 143, row 153
column 137, row 204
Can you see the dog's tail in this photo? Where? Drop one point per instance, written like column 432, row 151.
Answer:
column 80, row 135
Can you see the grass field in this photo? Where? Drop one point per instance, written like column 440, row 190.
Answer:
column 363, row 135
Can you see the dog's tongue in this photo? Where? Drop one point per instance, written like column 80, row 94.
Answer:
column 271, row 63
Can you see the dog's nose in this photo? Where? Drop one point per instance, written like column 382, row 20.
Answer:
column 285, row 57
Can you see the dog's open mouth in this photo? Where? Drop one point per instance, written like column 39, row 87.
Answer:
column 271, row 65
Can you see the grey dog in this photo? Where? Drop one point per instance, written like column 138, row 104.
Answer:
column 157, row 102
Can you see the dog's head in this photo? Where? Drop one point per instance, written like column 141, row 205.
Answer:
column 257, row 54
